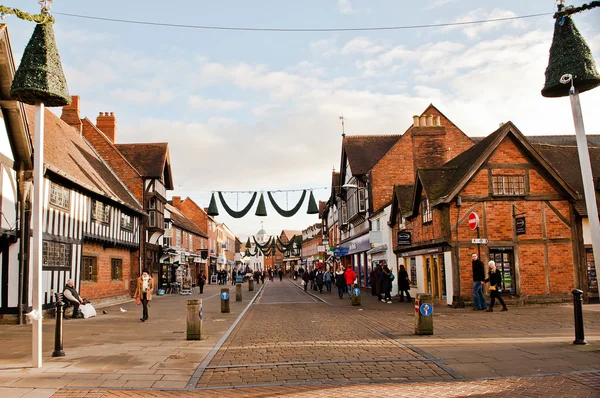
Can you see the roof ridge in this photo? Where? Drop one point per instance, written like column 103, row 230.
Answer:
column 373, row 135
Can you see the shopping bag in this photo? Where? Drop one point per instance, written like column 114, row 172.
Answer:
column 138, row 301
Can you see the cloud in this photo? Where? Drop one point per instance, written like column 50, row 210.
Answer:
column 345, row 7
column 197, row 102
column 143, row 96
column 324, row 47
column 480, row 14
column 361, row 45
column 431, row 4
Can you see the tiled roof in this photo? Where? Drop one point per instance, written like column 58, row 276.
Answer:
column 289, row 233
column 335, row 183
column 434, row 181
column 593, row 140
column 148, row 159
column 404, row 195
column 180, row 220
column 565, row 159
column 364, row 151
column 321, row 208
column 67, row 154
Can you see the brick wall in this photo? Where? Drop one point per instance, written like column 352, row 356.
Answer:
column 104, row 287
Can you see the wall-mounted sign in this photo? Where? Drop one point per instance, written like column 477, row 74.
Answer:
column 521, row 225
column 340, row 251
column 404, row 238
column 479, row 241
column 473, row 221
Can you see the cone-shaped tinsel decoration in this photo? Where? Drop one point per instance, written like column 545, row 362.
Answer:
column 40, row 77
column 312, row 205
column 247, row 253
column 261, row 209
column 212, row 207
column 248, row 243
column 569, row 54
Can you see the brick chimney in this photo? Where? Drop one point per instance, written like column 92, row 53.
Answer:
column 70, row 114
column 176, row 201
column 428, row 141
column 107, row 123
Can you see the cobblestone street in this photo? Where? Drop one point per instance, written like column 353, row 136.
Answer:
column 295, row 344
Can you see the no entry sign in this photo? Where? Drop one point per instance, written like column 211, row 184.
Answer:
column 473, row 220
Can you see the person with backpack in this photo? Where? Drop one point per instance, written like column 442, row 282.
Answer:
column 340, row 282
column 328, row 278
column 320, row 280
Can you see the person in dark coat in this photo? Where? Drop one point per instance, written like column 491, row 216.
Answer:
column 478, row 282
column 386, row 284
column 378, row 271
column 340, row 282
column 305, row 278
column 495, row 280
column 403, row 284
column 201, row 281
column 320, row 280
column 280, row 275
column 372, row 282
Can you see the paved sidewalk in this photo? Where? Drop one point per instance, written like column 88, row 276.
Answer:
column 117, row 350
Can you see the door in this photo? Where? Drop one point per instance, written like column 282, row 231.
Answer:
column 504, row 259
column 434, row 275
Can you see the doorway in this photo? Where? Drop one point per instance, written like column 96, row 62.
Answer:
column 504, row 259
column 435, row 275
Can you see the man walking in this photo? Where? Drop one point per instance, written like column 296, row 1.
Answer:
column 478, row 282
column 201, row 281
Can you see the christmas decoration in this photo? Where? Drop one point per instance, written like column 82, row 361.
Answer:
column 43, row 18
column 312, row 205
column 261, row 209
column 241, row 213
column 212, row 207
column 292, row 211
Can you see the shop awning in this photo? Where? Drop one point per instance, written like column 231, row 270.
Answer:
column 378, row 249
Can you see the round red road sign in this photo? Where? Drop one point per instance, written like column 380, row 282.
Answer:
column 473, row 221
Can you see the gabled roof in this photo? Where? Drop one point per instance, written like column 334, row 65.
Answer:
column 565, row 159
column 180, row 220
column 322, row 206
column 593, row 140
column 442, row 184
column 401, row 201
column 364, row 151
column 13, row 111
column 68, row 154
column 150, row 160
column 290, row 233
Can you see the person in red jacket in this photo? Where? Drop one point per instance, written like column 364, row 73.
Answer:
column 350, row 276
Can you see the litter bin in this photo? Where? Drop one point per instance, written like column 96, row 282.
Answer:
column 423, row 314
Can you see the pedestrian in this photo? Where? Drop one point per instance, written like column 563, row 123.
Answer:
column 280, row 275
column 403, row 284
column 386, row 284
column 328, row 278
column 262, row 277
column 295, row 274
column 305, row 279
column 340, row 282
column 372, row 282
column 312, row 274
column 233, row 275
column 478, row 282
column 378, row 278
column 143, row 292
column 495, row 279
column 201, row 281
column 350, row 276
column 320, row 280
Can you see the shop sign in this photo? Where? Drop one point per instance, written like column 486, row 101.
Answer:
column 521, row 225
column 404, row 238
column 340, row 251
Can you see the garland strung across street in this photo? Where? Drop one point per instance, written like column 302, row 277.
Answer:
column 37, row 18
column 570, row 10
column 261, row 209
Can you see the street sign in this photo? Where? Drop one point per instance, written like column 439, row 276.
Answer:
column 356, row 291
column 224, row 295
column 340, row 251
column 521, row 225
column 479, row 241
column 426, row 309
column 473, row 221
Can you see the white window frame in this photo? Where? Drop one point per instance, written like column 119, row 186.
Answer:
column 59, row 196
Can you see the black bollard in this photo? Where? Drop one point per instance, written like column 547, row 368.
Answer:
column 578, row 310
column 58, row 334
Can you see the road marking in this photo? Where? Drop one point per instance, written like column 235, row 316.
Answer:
column 204, row 364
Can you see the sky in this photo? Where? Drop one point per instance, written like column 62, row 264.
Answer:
column 260, row 111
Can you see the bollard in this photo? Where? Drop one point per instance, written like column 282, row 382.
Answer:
column 250, row 285
column 193, row 318
column 423, row 314
column 355, row 295
column 58, row 334
column 225, row 300
column 238, row 292
column 578, row 311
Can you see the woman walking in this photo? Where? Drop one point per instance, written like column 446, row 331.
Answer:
column 386, row 284
column 495, row 280
column 143, row 292
column 305, row 279
column 404, row 284
column 340, row 282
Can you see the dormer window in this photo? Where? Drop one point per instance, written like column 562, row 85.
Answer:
column 426, row 215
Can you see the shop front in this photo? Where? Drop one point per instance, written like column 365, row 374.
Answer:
column 378, row 256
column 356, row 257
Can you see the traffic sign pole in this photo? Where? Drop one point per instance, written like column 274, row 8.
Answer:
column 478, row 245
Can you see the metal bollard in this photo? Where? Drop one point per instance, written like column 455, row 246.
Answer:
column 194, row 319
column 238, row 292
column 423, row 314
column 250, row 285
column 225, row 300
column 578, row 311
column 58, row 334
column 355, row 295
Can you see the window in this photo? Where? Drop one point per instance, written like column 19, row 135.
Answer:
column 344, row 214
column 100, row 211
column 116, row 269
column 56, row 255
column 126, row 221
column 152, row 203
column 89, row 271
column 178, row 237
column 426, row 215
column 191, row 243
column 152, row 218
column 508, row 185
column 59, row 196
column 413, row 271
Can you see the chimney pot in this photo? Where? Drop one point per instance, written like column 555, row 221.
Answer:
column 416, row 121
column 107, row 123
column 438, row 120
column 423, row 121
column 430, row 120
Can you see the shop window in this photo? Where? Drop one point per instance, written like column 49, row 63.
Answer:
column 504, row 262
column 426, row 215
column 116, row 269
column 56, row 255
column 89, row 269
column 126, row 221
column 508, row 185
column 413, row 271
column 100, row 211
column 592, row 275
column 59, row 196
